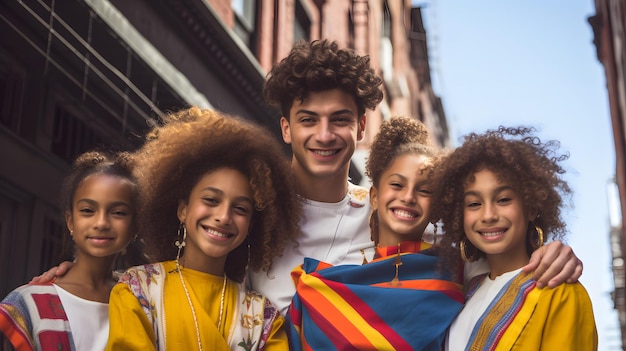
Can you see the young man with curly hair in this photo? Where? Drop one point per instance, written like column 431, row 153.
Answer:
column 322, row 91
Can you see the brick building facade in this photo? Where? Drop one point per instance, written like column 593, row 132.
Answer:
column 609, row 27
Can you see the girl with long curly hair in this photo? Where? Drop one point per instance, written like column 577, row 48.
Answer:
column 217, row 200
column 500, row 196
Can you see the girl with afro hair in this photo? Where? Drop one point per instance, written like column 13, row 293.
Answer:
column 217, row 200
column 499, row 196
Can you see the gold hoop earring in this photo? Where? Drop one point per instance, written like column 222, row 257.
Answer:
column 464, row 256
column 539, row 236
column 182, row 232
column 462, row 249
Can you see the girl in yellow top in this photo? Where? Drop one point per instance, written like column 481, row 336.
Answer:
column 497, row 194
column 217, row 199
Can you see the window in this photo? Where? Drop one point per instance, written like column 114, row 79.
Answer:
column 302, row 24
column 71, row 136
column 11, row 98
column 245, row 21
column 386, row 27
column 52, row 244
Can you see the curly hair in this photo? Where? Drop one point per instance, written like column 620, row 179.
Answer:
column 397, row 136
column 195, row 141
column 321, row 65
column 111, row 164
column 517, row 157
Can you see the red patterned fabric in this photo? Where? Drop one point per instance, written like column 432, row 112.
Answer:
column 32, row 317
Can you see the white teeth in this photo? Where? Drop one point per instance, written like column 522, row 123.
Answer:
column 216, row 233
column 403, row 213
column 492, row 234
column 324, row 153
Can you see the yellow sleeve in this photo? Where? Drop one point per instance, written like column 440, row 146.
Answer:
column 129, row 327
column 277, row 339
column 563, row 320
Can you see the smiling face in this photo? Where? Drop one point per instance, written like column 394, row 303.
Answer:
column 495, row 222
column 402, row 199
column 323, row 131
column 217, row 216
column 101, row 220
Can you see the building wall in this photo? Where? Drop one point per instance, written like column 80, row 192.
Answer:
column 66, row 85
column 609, row 26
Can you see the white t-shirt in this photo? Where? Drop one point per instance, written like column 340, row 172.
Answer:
column 89, row 320
column 331, row 232
column 463, row 325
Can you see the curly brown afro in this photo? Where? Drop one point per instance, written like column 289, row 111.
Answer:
column 191, row 143
column 322, row 65
column 518, row 158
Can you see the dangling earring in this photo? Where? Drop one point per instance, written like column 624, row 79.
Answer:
column 397, row 262
column 182, row 232
column 435, row 232
column 539, row 236
column 464, row 256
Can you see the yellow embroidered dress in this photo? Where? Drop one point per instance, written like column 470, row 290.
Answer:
column 523, row 317
column 149, row 310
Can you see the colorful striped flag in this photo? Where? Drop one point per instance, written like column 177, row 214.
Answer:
column 358, row 307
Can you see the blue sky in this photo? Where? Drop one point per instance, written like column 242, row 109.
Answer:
column 533, row 63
